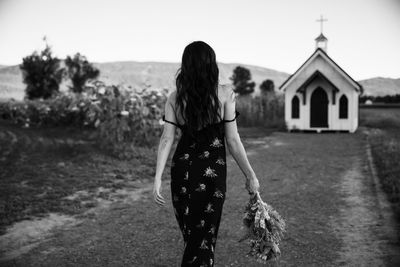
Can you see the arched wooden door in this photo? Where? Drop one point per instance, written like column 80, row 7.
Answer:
column 319, row 109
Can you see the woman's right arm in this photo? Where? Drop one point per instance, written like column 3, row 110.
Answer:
column 235, row 145
column 164, row 148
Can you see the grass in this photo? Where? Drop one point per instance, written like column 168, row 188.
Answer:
column 385, row 145
column 291, row 180
column 382, row 118
column 47, row 165
column 38, row 175
column 41, row 174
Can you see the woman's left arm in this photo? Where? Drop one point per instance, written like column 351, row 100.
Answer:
column 164, row 148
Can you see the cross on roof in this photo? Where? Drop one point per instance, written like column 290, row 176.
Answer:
column 321, row 20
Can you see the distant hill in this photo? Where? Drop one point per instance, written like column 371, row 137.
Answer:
column 138, row 75
column 381, row 86
column 11, row 85
column 162, row 74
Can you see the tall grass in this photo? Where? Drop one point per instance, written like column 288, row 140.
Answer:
column 386, row 153
column 385, row 147
column 266, row 110
column 382, row 118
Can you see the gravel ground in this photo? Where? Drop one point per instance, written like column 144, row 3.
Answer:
column 320, row 183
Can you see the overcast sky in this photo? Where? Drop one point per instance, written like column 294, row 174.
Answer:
column 364, row 35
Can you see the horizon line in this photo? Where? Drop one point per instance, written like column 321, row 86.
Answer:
column 174, row 62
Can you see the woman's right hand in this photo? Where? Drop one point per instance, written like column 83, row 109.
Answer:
column 158, row 198
column 252, row 185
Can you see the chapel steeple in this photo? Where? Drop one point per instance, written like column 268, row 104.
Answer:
column 321, row 41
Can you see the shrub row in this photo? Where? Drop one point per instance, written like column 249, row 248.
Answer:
column 123, row 119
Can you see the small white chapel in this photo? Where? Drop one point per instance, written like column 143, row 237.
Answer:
column 320, row 95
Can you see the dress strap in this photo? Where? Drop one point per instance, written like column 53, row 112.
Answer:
column 174, row 123
column 237, row 113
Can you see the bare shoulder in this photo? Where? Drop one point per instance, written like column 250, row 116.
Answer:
column 226, row 92
column 172, row 97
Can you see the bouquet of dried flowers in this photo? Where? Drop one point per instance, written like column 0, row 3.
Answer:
column 264, row 229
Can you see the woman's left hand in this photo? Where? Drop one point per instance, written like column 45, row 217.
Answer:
column 159, row 199
column 252, row 185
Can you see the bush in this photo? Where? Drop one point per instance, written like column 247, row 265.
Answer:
column 267, row 86
column 129, row 120
column 123, row 120
column 381, row 99
column 63, row 109
column 241, row 79
column 80, row 70
column 41, row 74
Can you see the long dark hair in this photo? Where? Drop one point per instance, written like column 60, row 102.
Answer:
column 197, row 87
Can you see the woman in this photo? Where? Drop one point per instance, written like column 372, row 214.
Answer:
column 205, row 113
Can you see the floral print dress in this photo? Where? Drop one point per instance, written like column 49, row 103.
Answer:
column 198, row 186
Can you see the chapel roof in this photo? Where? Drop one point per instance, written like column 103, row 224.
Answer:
column 321, row 37
column 315, row 75
column 321, row 52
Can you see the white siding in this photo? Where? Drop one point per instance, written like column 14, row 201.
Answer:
column 342, row 83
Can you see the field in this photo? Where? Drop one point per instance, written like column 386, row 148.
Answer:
column 385, row 144
column 133, row 231
column 383, row 118
column 56, row 177
column 61, row 170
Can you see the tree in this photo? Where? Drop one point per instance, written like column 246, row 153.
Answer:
column 41, row 74
column 241, row 79
column 267, row 86
column 80, row 71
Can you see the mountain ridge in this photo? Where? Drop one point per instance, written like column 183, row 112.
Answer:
column 140, row 74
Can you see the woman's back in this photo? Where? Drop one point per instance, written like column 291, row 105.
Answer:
column 222, row 93
column 211, row 133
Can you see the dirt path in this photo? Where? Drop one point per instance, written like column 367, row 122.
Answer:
column 321, row 184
